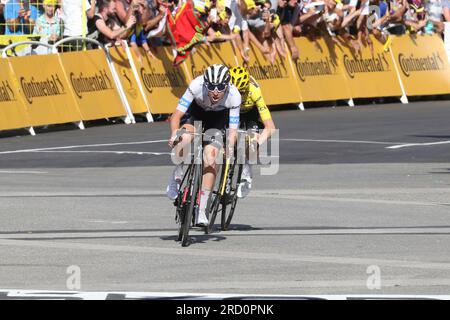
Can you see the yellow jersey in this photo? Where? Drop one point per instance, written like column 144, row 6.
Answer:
column 253, row 98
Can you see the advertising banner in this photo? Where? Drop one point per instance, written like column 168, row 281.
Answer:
column 92, row 84
column 13, row 114
column 162, row 82
column 318, row 71
column 422, row 63
column 46, row 93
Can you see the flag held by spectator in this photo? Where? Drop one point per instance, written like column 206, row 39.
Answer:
column 186, row 29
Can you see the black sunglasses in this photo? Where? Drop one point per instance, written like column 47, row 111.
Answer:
column 220, row 87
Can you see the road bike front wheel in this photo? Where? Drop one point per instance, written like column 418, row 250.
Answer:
column 192, row 194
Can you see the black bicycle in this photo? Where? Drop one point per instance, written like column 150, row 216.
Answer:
column 188, row 197
column 224, row 197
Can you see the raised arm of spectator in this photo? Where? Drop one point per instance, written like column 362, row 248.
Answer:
column 115, row 34
column 350, row 18
column 154, row 21
column 125, row 14
column 91, row 12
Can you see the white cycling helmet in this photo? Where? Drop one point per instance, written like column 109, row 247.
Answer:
column 216, row 76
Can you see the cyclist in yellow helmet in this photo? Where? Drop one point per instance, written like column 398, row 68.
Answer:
column 254, row 115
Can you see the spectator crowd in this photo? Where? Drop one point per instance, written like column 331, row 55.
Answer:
column 270, row 25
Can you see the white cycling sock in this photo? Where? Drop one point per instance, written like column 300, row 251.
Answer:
column 247, row 171
column 204, row 196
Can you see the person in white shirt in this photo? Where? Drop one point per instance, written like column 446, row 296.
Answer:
column 75, row 21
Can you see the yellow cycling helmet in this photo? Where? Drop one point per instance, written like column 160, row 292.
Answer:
column 240, row 78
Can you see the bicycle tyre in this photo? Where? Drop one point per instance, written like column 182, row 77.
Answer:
column 231, row 204
column 189, row 213
column 181, row 205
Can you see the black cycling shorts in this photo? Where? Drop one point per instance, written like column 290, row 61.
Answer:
column 210, row 120
column 250, row 120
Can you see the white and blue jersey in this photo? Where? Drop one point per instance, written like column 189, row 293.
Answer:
column 195, row 102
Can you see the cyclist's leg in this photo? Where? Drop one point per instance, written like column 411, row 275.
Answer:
column 215, row 123
column 252, row 124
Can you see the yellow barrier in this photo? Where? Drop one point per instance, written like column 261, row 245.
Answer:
column 45, row 90
column 422, row 64
column 163, row 83
column 128, row 80
column 278, row 82
column 92, row 84
column 318, row 71
column 13, row 114
column 204, row 56
column 52, row 89
column 370, row 72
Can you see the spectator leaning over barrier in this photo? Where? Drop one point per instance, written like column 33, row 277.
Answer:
column 237, row 26
column 110, row 33
column 289, row 12
column 219, row 29
column 20, row 17
column 415, row 17
column 252, row 17
column 155, row 26
column 137, row 38
column 48, row 24
column 74, row 22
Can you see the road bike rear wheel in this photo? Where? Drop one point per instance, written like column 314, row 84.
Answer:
column 215, row 201
column 229, row 199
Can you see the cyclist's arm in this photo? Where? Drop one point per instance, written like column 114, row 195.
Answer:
column 265, row 116
column 183, row 105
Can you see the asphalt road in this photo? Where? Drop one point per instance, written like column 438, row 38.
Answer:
column 360, row 204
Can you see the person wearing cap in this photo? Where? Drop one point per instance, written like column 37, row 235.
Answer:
column 48, row 24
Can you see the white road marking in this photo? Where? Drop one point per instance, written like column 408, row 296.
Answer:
column 256, row 232
column 355, row 200
column 107, row 221
column 418, row 144
column 83, row 146
column 102, row 295
column 105, row 151
column 342, row 141
column 225, row 254
column 23, row 172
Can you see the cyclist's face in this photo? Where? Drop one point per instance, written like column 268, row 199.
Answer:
column 215, row 95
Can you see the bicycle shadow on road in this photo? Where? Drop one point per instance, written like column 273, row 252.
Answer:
column 216, row 235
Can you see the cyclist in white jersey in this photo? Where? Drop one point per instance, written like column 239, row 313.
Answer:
column 212, row 99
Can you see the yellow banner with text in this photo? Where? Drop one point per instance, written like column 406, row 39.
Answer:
column 13, row 114
column 422, row 64
column 92, row 84
column 46, row 93
column 370, row 72
column 318, row 71
column 162, row 83
column 277, row 80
